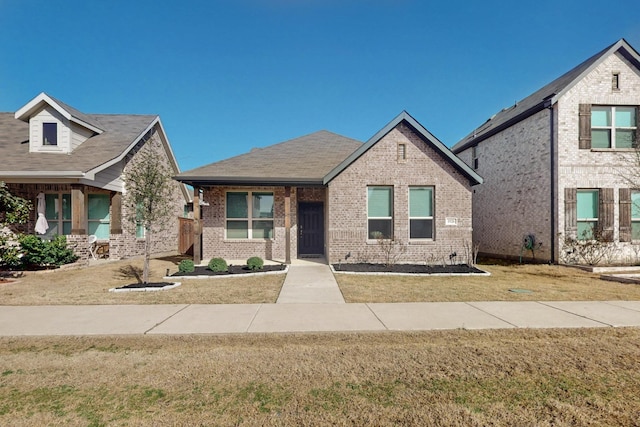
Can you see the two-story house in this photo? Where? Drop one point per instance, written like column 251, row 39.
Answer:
column 556, row 164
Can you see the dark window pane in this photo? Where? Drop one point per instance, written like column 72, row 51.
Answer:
column 50, row 134
column 421, row 229
column 380, row 229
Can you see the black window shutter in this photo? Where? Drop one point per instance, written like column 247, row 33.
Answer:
column 584, row 126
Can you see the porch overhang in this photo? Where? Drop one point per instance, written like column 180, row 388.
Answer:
column 250, row 181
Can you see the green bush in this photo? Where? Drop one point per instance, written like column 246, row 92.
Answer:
column 43, row 253
column 218, row 265
column 186, row 266
column 255, row 263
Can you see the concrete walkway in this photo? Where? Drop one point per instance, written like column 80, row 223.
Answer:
column 310, row 281
column 297, row 317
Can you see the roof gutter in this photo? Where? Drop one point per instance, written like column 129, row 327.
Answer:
column 248, row 181
column 516, row 119
column 43, row 174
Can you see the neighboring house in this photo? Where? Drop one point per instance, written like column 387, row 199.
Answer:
column 324, row 195
column 72, row 164
column 554, row 164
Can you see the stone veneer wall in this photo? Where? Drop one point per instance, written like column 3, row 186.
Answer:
column 347, row 202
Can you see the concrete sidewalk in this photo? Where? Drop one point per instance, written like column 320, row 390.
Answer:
column 310, row 281
column 182, row 319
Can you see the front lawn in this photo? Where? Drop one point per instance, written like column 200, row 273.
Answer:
column 453, row 378
column 546, row 283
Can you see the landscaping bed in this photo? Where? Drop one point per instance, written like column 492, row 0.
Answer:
column 232, row 270
column 406, row 268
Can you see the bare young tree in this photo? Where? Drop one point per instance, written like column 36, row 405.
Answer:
column 148, row 200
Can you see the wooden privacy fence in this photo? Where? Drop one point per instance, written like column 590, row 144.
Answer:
column 185, row 236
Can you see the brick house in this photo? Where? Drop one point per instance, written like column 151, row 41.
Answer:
column 73, row 164
column 554, row 164
column 325, row 195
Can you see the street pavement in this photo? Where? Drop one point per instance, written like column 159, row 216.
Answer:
column 310, row 301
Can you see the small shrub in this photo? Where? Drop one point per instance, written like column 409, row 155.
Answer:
column 255, row 263
column 42, row 253
column 186, row 266
column 217, row 265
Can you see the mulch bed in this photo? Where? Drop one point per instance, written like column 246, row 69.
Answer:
column 407, row 268
column 146, row 285
column 233, row 269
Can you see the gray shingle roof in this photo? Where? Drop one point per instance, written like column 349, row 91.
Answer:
column 120, row 131
column 543, row 97
column 304, row 160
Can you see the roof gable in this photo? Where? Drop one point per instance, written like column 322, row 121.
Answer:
column 426, row 136
column 63, row 109
column 544, row 97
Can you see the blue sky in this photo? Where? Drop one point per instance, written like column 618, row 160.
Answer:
column 226, row 76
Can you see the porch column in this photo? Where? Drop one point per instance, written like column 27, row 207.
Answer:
column 197, row 229
column 116, row 213
column 78, row 216
column 287, row 224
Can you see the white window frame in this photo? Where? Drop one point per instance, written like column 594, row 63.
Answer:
column 585, row 220
column 249, row 219
column 635, row 220
column 389, row 218
column 613, row 128
column 43, row 124
column 432, row 217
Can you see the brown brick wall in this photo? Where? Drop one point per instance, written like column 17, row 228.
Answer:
column 347, row 202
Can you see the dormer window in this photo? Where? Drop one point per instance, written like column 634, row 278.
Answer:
column 49, row 134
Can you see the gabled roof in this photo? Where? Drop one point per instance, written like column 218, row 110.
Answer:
column 63, row 109
column 121, row 133
column 426, row 136
column 300, row 161
column 544, row 97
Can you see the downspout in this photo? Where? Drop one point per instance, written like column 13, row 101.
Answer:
column 553, row 218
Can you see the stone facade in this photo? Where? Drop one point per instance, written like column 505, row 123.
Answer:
column 518, row 197
column 424, row 166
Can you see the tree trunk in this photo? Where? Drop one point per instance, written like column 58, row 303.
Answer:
column 147, row 255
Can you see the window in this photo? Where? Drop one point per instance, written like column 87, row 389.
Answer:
column 421, row 212
column 635, row 215
column 380, row 212
column 49, row 134
column 58, row 214
column 587, row 213
column 613, row 127
column 249, row 215
column 98, row 215
column 140, row 230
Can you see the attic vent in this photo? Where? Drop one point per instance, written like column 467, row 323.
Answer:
column 402, row 152
column 615, row 80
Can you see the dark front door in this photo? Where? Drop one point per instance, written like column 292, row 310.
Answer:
column 310, row 229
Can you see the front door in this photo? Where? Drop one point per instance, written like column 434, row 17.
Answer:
column 310, row 229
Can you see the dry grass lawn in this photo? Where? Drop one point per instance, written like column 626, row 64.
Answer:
column 547, row 283
column 90, row 285
column 454, row 378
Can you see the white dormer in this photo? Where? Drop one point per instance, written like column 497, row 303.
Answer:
column 54, row 127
